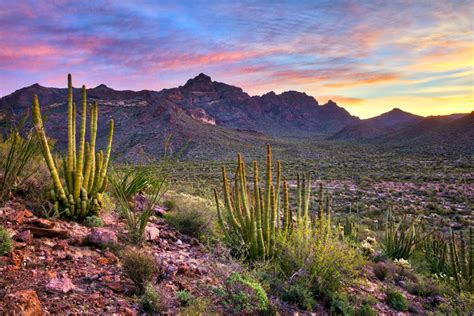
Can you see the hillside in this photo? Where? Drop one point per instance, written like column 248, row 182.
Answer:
column 401, row 130
column 212, row 117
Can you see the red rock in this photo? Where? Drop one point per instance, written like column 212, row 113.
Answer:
column 41, row 222
column 160, row 212
column 25, row 303
column 61, row 245
column 25, row 236
column 20, row 216
column 152, row 233
column 61, row 284
column 129, row 312
column 49, row 233
column 102, row 237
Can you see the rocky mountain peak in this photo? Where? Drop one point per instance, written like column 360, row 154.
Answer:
column 200, row 83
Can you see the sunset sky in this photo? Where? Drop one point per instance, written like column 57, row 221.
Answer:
column 368, row 56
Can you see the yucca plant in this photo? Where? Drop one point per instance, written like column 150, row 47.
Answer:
column 20, row 152
column 399, row 240
column 80, row 193
column 251, row 219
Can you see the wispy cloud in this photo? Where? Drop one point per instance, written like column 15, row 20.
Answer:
column 352, row 49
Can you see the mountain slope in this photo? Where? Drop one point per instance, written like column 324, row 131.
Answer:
column 212, row 117
column 384, row 124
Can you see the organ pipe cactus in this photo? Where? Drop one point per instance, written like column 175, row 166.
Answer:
column 85, row 170
column 253, row 218
column 462, row 260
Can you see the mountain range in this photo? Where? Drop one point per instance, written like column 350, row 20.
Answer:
column 213, row 117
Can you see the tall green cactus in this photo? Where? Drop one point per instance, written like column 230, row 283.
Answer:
column 80, row 195
column 253, row 219
column 461, row 260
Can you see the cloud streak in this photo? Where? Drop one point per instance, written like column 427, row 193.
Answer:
column 354, row 50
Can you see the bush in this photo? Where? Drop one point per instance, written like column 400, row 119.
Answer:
column 151, row 300
column 301, row 295
column 423, row 288
column 396, row 300
column 243, row 294
column 140, row 267
column 321, row 259
column 192, row 216
column 185, row 298
column 366, row 310
column 6, row 244
column 93, row 221
column 339, row 305
column 382, row 271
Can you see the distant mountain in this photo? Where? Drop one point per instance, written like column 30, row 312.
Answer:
column 377, row 126
column 401, row 130
column 211, row 116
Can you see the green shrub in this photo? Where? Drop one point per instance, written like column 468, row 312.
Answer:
column 339, row 305
column 151, row 300
column 422, row 287
column 198, row 307
column 93, row 221
column 191, row 217
column 301, row 295
column 6, row 244
column 185, row 298
column 366, row 310
column 396, row 300
column 243, row 294
column 140, row 267
column 320, row 258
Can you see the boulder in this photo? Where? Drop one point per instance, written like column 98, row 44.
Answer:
column 152, row 233
column 24, row 303
column 61, row 284
column 49, row 232
column 102, row 237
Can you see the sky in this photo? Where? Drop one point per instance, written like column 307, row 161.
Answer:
column 368, row 56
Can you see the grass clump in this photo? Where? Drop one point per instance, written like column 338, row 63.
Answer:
column 140, row 267
column 151, row 300
column 397, row 300
column 191, row 216
column 382, row 271
column 6, row 244
column 242, row 294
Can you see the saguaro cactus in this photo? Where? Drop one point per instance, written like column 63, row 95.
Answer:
column 80, row 195
column 253, row 218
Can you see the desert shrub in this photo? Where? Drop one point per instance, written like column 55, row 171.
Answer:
column 191, row 217
column 300, row 294
column 339, row 305
column 197, row 307
column 396, row 300
column 366, row 310
column 6, row 244
column 151, row 300
column 140, row 267
column 16, row 153
column 93, row 221
column 169, row 205
column 321, row 258
column 242, row 294
column 382, row 271
column 185, row 298
column 423, row 287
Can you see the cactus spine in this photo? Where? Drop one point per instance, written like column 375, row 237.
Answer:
column 84, row 170
column 254, row 218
